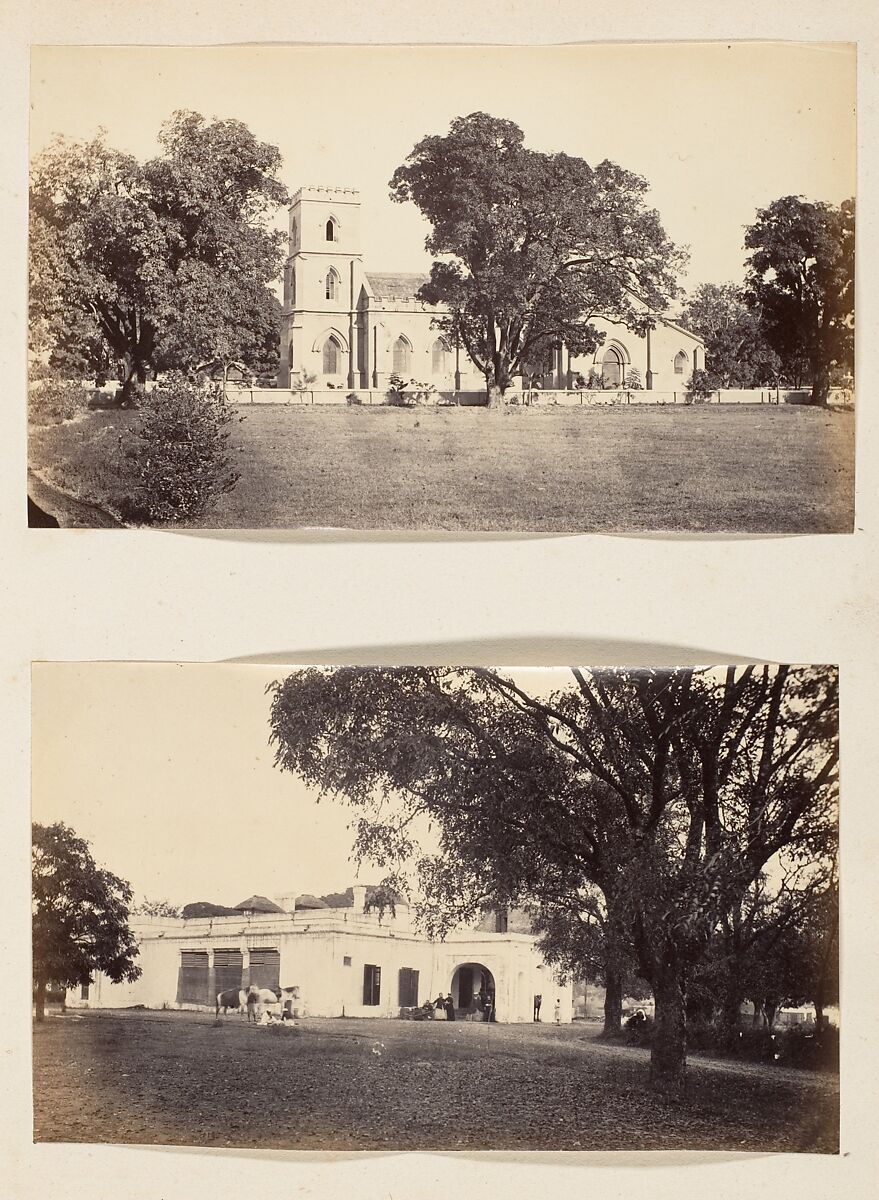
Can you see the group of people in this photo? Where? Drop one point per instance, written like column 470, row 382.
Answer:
column 479, row 1008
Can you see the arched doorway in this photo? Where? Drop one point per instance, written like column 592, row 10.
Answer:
column 471, row 980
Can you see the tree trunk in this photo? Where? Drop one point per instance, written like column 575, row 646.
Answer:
column 613, row 1002
column 495, row 396
column 134, row 372
column 730, row 1015
column 820, row 384
column 668, row 1058
column 819, row 1015
column 40, row 999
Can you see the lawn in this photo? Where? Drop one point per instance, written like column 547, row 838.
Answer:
column 186, row 1079
column 760, row 469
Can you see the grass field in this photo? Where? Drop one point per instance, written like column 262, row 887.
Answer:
column 754, row 469
column 186, row 1079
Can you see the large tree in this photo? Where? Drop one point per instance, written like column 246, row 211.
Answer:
column 668, row 790
column 80, row 915
column 736, row 352
column 801, row 277
column 170, row 261
column 532, row 246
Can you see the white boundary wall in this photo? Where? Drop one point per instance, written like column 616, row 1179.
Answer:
column 581, row 397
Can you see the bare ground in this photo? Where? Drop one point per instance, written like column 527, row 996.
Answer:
column 184, row 1079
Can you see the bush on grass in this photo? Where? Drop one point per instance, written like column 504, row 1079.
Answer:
column 177, row 452
column 53, row 400
column 700, row 388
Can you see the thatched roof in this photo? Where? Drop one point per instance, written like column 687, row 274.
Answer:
column 204, row 908
column 260, row 904
column 309, row 901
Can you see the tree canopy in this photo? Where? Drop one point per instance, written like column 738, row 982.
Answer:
column 532, row 246
column 166, row 263
column 80, row 915
column 736, row 351
column 668, row 791
column 801, row 276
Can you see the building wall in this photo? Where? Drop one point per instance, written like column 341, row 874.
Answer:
column 314, row 946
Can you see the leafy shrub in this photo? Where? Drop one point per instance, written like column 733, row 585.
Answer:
column 805, row 1046
column 700, row 388
column 353, row 398
column 53, row 400
column 408, row 395
column 639, row 1033
column 177, row 452
column 633, row 380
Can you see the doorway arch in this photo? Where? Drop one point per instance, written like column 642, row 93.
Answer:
column 471, row 979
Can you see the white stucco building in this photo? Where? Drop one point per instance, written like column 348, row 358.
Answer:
column 351, row 327
column 345, row 961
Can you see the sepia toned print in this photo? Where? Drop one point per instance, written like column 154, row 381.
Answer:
column 436, row 908
column 579, row 288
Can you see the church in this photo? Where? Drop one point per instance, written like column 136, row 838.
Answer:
column 346, row 958
column 347, row 326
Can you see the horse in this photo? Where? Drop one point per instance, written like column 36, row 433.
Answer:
column 231, row 998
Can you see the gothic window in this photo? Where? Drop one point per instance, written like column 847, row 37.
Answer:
column 332, row 230
column 292, row 287
column 332, row 284
column 402, row 356
column 681, row 361
column 294, row 233
column 439, row 357
column 332, row 350
column 612, row 368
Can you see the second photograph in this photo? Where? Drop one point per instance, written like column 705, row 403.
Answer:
column 263, row 895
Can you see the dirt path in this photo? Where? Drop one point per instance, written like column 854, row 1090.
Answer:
column 69, row 512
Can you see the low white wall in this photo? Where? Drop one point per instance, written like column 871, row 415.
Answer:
column 339, row 396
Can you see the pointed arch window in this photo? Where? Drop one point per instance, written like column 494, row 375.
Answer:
column 331, row 355
column 612, row 368
column 681, row 360
column 294, row 232
column 332, row 230
column 333, row 282
column 292, row 287
column 439, row 357
column 402, row 356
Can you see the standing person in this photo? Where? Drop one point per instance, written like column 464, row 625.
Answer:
column 558, row 1011
column 252, row 1005
column 488, row 1010
column 439, row 1005
column 472, row 1008
column 538, row 1000
column 450, row 1008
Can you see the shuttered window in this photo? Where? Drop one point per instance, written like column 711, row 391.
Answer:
column 265, row 968
column 408, row 988
column 227, row 969
column 372, row 978
column 192, row 980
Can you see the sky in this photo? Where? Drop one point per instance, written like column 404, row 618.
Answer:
column 166, row 770
column 718, row 129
